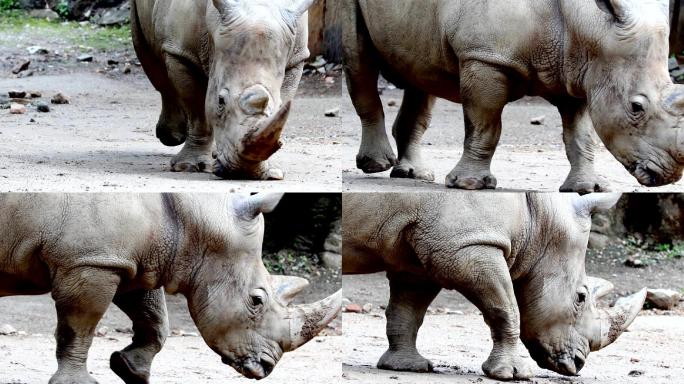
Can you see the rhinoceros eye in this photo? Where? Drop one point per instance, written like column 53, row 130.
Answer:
column 257, row 298
column 222, row 100
column 637, row 108
column 581, row 297
column 639, row 104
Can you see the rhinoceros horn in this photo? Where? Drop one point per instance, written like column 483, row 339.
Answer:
column 263, row 140
column 610, row 323
column 306, row 321
column 301, row 6
column 250, row 207
column 225, row 6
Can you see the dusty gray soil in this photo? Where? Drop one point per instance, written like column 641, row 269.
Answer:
column 184, row 359
column 528, row 157
column 459, row 342
column 104, row 141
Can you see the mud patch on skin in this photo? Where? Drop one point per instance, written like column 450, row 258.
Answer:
column 310, row 327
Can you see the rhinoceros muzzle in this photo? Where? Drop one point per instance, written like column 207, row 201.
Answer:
column 262, row 140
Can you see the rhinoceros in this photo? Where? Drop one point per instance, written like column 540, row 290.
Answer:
column 602, row 63
column 227, row 71
column 520, row 258
column 92, row 250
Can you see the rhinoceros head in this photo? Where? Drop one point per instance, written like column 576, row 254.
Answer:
column 560, row 323
column 259, row 48
column 243, row 313
column 619, row 55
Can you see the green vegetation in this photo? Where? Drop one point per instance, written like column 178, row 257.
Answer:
column 62, row 8
column 671, row 251
column 286, row 262
column 6, row 5
column 17, row 27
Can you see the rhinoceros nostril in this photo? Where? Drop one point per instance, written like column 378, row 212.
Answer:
column 579, row 363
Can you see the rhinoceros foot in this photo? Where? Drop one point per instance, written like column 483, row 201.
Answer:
column 504, row 366
column 469, row 180
column 192, row 160
column 72, row 378
column 585, row 185
column 410, row 361
column 377, row 161
column 407, row 170
column 127, row 371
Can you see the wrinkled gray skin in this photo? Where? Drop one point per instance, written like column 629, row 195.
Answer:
column 602, row 63
column 94, row 249
column 227, row 71
column 519, row 258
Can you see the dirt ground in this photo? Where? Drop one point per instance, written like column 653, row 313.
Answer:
column 104, row 139
column 528, row 157
column 29, row 358
column 456, row 339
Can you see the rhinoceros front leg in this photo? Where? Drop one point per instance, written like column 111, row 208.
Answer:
column 409, row 299
column 580, row 145
column 147, row 310
column 484, row 91
column 412, row 122
column 362, row 72
column 81, row 296
column 190, row 90
column 481, row 274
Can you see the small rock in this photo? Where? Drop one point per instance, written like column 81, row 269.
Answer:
column 102, row 332
column 7, row 330
column 16, row 94
column 634, row 262
column 329, row 80
column 367, row 307
column 539, row 120
column 331, row 259
column 353, row 308
column 662, row 298
column 112, row 62
column 334, row 112
column 35, row 94
column 43, row 107
column 635, row 373
column 672, row 63
column 677, row 74
column 127, row 68
column 598, row 240
column 60, row 98
column 392, row 103
column 44, row 13
column 37, row 50
column 85, row 58
column 318, row 63
column 17, row 109
column 22, row 66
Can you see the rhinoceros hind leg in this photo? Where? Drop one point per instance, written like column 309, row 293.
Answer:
column 362, row 72
column 484, row 91
column 81, row 297
column 172, row 127
column 412, row 122
column 147, row 310
column 409, row 299
column 580, row 141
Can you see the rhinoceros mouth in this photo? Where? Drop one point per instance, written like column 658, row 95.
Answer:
column 651, row 174
column 251, row 368
column 564, row 362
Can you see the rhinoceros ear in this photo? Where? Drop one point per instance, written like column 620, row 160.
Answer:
column 301, row 6
column 250, row 207
column 225, row 6
column 619, row 9
column 589, row 204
